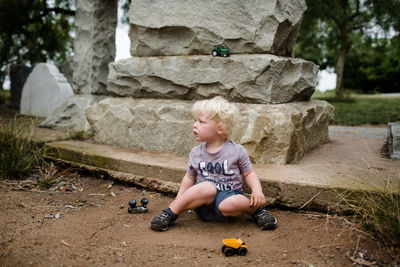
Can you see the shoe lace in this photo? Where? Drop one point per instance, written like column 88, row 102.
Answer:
column 162, row 216
column 265, row 215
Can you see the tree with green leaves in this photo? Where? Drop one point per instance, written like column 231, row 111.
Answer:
column 34, row 31
column 330, row 29
column 373, row 65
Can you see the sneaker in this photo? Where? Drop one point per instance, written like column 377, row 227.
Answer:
column 265, row 220
column 162, row 221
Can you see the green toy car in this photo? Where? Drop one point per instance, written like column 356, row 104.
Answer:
column 221, row 51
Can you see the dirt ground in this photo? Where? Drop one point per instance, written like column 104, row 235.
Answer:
column 82, row 220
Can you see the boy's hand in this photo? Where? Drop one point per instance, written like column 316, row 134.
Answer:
column 257, row 200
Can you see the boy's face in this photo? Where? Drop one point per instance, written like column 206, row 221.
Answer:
column 206, row 129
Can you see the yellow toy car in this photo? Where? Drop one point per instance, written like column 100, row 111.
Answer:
column 232, row 246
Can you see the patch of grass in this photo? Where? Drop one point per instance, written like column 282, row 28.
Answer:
column 331, row 94
column 48, row 175
column 4, row 96
column 379, row 212
column 351, row 111
column 77, row 135
column 19, row 156
column 47, row 182
column 321, row 94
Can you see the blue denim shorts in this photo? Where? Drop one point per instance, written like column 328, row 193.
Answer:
column 211, row 212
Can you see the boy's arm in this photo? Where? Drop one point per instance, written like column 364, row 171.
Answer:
column 187, row 181
column 257, row 199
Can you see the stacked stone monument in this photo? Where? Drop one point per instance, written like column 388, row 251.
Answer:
column 94, row 48
column 171, row 67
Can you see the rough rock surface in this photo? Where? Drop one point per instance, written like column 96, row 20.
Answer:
column 184, row 27
column 394, row 140
column 94, row 46
column 71, row 115
column 242, row 78
column 68, row 70
column 45, row 90
column 277, row 134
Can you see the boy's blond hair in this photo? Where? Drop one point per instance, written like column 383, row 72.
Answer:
column 218, row 109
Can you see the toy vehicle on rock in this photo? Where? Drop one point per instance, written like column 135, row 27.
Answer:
column 221, row 51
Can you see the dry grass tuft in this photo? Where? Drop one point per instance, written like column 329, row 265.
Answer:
column 19, row 156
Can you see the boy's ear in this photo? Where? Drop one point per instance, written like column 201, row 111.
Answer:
column 221, row 129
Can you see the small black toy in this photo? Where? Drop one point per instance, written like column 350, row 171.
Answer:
column 138, row 209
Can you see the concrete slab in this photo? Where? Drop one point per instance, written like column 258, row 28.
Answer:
column 364, row 132
column 30, row 128
column 345, row 163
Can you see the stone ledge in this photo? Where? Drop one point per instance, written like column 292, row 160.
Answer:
column 277, row 134
column 153, row 184
column 315, row 182
column 125, row 160
column 265, row 79
column 163, row 172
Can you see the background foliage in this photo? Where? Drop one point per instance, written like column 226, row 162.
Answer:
column 363, row 35
column 34, row 31
column 373, row 66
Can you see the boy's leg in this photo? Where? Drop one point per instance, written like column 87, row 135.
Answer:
column 239, row 204
column 235, row 206
column 195, row 196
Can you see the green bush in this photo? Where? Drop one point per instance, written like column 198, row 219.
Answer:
column 19, row 156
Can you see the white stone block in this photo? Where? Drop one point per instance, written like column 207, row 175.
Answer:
column 45, row 90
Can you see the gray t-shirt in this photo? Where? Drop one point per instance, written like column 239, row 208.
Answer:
column 223, row 168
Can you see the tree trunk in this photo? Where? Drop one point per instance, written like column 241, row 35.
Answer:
column 339, row 72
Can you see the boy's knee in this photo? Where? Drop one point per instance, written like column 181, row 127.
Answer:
column 233, row 206
column 207, row 189
column 228, row 206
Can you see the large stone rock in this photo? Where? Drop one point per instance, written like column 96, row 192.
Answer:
column 94, row 46
column 67, row 69
column 45, row 90
column 71, row 116
column 393, row 138
column 184, row 27
column 277, row 134
column 241, row 78
column 18, row 75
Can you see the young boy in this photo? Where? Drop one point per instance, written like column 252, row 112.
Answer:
column 212, row 185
